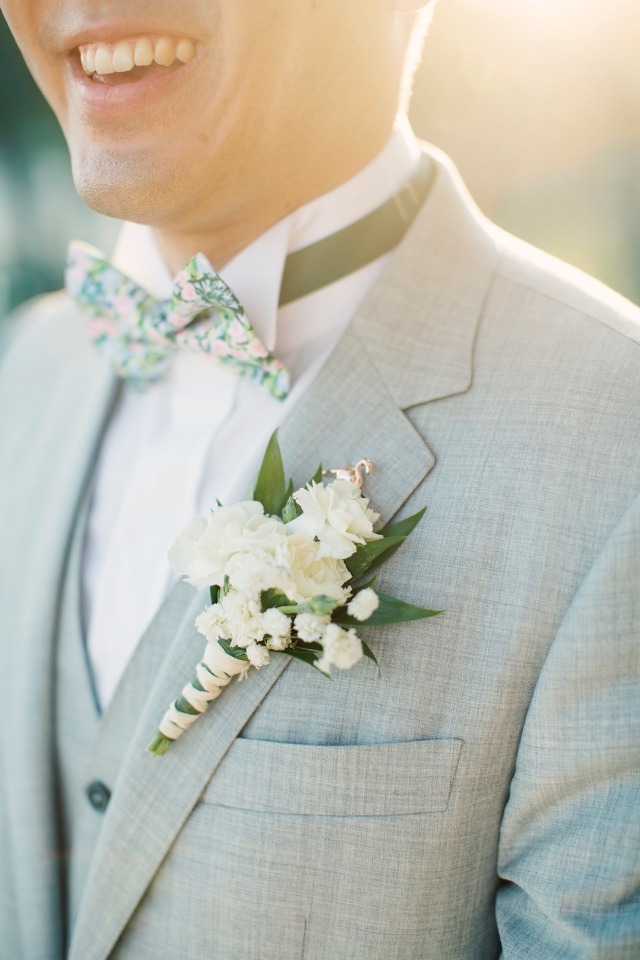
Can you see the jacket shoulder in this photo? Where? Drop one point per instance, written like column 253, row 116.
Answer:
column 560, row 289
column 39, row 311
column 40, row 329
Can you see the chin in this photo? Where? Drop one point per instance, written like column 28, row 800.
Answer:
column 126, row 188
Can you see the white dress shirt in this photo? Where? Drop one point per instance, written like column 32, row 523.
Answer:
column 197, row 435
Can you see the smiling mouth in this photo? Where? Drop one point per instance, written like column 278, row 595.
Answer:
column 134, row 58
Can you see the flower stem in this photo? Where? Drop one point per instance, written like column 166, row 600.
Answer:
column 159, row 745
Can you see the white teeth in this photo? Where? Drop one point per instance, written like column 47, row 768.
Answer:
column 104, row 60
column 143, row 52
column 89, row 62
column 164, row 52
column 185, row 51
column 121, row 57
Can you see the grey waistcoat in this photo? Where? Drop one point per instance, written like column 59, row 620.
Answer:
column 90, row 748
column 77, row 723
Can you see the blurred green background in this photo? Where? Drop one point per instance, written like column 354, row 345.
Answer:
column 537, row 101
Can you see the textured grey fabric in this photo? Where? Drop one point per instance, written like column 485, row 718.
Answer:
column 89, row 747
column 76, row 722
column 481, row 797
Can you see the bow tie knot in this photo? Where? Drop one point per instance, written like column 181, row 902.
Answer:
column 138, row 335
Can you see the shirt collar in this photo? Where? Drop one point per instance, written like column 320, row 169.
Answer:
column 255, row 273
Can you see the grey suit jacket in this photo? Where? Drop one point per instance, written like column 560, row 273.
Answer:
column 481, row 797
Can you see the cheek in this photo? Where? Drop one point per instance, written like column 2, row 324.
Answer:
column 24, row 18
column 50, row 80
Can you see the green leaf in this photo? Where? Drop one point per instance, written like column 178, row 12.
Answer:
column 306, row 656
column 368, row 553
column 365, row 586
column 273, row 598
column 286, row 501
column 402, row 528
column 270, row 488
column 399, row 532
column 368, row 652
column 317, row 477
column 391, row 610
column 214, row 592
column 236, row 652
column 184, row 706
column 290, row 511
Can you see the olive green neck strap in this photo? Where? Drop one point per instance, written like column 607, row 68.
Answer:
column 357, row 245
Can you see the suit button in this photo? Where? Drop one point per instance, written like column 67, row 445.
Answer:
column 99, row 795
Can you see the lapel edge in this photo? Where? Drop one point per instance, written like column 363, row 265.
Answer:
column 431, row 295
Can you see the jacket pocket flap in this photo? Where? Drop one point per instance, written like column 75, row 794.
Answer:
column 388, row 779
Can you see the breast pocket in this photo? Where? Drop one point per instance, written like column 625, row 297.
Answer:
column 392, row 779
column 311, row 851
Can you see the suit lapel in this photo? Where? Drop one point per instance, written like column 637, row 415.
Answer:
column 427, row 305
column 419, row 323
column 43, row 479
column 348, row 414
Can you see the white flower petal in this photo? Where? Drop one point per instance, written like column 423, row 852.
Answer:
column 258, row 655
column 338, row 515
column 310, row 627
column 363, row 604
column 182, row 552
column 340, row 648
column 204, row 550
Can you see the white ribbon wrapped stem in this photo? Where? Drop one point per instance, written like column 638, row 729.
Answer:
column 215, row 672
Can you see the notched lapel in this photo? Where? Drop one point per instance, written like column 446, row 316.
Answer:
column 420, row 320
column 348, row 414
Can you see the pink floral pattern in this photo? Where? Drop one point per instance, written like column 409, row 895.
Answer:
column 139, row 335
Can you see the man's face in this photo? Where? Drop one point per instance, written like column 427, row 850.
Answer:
column 269, row 86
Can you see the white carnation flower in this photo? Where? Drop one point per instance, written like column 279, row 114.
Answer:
column 258, row 655
column 310, row 626
column 277, row 626
column 183, row 553
column 201, row 553
column 340, row 648
column 337, row 515
column 211, row 623
column 363, row 604
column 315, row 576
column 257, row 571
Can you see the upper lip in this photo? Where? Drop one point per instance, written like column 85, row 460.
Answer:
column 112, row 32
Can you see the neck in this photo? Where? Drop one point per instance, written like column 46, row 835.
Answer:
column 219, row 246
column 245, row 221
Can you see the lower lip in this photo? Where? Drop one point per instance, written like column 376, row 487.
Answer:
column 120, row 98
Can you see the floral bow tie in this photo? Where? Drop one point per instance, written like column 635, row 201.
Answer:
column 138, row 335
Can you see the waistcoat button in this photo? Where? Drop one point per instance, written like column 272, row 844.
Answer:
column 98, row 794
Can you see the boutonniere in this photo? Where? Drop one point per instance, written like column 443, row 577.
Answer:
column 287, row 574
